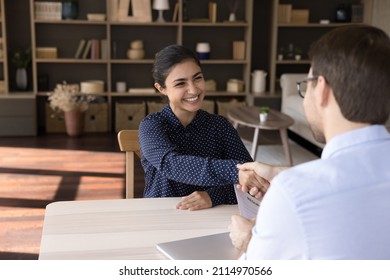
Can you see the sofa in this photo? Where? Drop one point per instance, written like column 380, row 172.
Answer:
column 292, row 105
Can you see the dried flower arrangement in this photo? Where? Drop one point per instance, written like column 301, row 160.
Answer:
column 67, row 98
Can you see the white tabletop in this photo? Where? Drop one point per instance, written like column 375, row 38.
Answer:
column 124, row 228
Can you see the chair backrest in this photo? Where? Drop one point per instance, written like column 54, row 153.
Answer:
column 128, row 142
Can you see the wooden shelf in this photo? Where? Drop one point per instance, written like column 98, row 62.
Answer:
column 155, row 36
column 301, row 37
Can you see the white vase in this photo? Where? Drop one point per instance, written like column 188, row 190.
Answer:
column 21, row 79
column 263, row 117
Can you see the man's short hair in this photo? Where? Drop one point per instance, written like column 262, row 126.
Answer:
column 355, row 61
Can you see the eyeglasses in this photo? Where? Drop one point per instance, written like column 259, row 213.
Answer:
column 302, row 85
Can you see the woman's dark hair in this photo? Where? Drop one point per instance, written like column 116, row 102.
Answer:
column 168, row 57
column 355, row 61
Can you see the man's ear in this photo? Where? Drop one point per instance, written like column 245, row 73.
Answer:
column 159, row 88
column 323, row 91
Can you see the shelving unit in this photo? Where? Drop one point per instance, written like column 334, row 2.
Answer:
column 65, row 35
column 299, row 35
column 17, row 110
column 3, row 52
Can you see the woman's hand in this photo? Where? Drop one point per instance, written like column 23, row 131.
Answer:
column 255, row 177
column 195, row 201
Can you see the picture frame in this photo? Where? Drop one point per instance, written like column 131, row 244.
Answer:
column 131, row 10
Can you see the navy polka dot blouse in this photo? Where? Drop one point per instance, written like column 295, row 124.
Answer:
column 179, row 160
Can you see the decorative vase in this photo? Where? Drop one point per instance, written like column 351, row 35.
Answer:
column 232, row 16
column 263, row 117
column 74, row 123
column 21, row 79
column 70, row 9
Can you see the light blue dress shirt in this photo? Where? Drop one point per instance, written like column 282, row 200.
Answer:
column 336, row 207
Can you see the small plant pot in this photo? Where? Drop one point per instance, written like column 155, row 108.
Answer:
column 280, row 56
column 263, row 117
column 298, row 57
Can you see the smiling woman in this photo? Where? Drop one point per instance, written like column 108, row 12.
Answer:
column 187, row 152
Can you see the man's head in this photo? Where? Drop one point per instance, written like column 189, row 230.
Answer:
column 354, row 62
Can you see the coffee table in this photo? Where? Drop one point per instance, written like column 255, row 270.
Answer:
column 248, row 116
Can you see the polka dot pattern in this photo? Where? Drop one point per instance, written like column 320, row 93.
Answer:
column 179, row 160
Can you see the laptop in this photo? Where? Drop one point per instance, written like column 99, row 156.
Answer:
column 208, row 247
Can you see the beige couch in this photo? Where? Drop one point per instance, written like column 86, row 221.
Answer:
column 292, row 106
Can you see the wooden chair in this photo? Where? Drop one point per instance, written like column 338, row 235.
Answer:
column 128, row 142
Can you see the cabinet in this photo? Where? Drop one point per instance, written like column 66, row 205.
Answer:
column 189, row 29
column 291, row 37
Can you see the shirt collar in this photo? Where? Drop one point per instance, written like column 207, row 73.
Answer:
column 200, row 118
column 354, row 138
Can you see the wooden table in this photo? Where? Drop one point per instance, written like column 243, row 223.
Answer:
column 249, row 117
column 124, row 228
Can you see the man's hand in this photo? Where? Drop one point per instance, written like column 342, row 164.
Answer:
column 253, row 183
column 257, row 184
column 241, row 232
column 195, row 201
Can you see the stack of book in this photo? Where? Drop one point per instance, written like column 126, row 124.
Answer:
column 48, row 10
column 92, row 49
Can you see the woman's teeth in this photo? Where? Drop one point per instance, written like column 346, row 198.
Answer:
column 192, row 99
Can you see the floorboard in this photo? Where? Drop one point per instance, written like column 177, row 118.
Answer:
column 36, row 171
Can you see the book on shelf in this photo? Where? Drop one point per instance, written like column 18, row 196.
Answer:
column 47, row 10
column 104, row 49
column 213, row 12
column 175, row 12
column 80, row 49
column 95, row 49
column 87, row 49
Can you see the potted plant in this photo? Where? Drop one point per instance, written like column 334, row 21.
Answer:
column 21, row 58
column 281, row 53
column 298, row 53
column 68, row 99
column 263, row 113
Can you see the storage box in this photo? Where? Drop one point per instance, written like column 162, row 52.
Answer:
column 2, row 86
column 92, row 86
column 284, row 13
column 235, row 85
column 128, row 115
column 299, row 16
column 208, row 105
column 239, row 50
column 211, row 85
column 154, row 107
column 55, row 122
column 96, row 118
column 47, row 52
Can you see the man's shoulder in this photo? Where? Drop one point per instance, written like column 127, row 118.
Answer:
column 303, row 181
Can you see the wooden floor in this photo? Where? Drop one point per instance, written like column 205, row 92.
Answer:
column 35, row 171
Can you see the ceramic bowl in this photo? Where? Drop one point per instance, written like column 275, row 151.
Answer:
column 135, row 53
